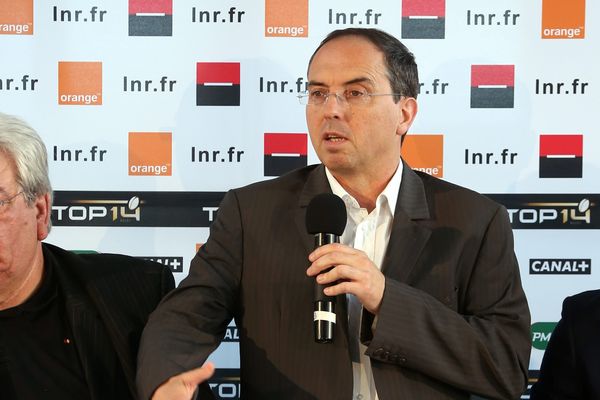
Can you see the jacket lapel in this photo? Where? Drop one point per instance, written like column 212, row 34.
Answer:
column 117, row 329
column 408, row 237
column 315, row 184
column 98, row 359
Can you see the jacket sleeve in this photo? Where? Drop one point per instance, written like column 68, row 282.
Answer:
column 479, row 342
column 191, row 320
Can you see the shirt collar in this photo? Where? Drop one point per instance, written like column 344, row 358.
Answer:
column 390, row 193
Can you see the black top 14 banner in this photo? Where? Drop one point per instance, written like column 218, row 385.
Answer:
column 150, row 209
column 550, row 211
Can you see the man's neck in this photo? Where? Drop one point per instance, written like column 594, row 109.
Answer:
column 17, row 291
column 364, row 187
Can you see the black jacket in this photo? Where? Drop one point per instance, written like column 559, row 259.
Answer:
column 108, row 298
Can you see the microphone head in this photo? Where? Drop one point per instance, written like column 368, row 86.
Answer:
column 326, row 213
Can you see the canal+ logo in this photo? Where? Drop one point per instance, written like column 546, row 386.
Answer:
column 284, row 18
column 563, row 19
column 80, row 83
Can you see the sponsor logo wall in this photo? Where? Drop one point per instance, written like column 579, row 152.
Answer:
column 152, row 110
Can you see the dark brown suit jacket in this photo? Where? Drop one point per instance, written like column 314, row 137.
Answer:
column 453, row 320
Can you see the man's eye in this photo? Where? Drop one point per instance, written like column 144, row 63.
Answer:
column 355, row 93
column 317, row 94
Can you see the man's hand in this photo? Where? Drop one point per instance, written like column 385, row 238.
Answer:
column 183, row 386
column 354, row 272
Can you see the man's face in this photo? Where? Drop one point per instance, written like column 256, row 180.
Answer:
column 21, row 226
column 361, row 138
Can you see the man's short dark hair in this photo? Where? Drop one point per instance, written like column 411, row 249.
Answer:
column 401, row 66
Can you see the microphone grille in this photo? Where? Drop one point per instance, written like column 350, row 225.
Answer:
column 326, row 213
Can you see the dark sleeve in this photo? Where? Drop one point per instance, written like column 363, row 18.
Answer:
column 481, row 349
column 191, row 320
column 560, row 375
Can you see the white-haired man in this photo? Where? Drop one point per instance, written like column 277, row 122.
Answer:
column 69, row 324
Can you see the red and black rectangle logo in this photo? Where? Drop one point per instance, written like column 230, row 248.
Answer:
column 492, row 86
column 561, row 156
column 150, row 17
column 218, row 84
column 285, row 152
column 423, row 19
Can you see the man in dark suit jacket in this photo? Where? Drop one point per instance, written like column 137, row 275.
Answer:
column 69, row 324
column 571, row 364
column 441, row 308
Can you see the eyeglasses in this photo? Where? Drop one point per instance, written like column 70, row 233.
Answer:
column 4, row 203
column 318, row 97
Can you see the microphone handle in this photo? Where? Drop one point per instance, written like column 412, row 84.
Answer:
column 324, row 316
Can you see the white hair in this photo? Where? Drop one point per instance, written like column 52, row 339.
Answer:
column 23, row 145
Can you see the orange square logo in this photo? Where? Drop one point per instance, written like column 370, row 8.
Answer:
column 284, row 18
column 198, row 245
column 150, row 153
column 563, row 19
column 16, row 17
column 80, row 83
column 425, row 153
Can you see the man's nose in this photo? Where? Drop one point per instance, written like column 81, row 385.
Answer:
column 334, row 105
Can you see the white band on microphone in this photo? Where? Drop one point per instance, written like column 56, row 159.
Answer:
column 324, row 316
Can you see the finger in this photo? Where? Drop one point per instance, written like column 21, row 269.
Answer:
column 340, row 272
column 196, row 376
column 342, row 288
column 355, row 258
column 328, row 248
column 369, row 293
column 369, row 301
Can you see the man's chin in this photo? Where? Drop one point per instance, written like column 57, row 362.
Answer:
column 338, row 165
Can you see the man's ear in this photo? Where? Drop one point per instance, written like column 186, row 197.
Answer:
column 42, row 208
column 408, row 112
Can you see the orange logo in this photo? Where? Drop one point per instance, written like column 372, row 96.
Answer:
column 150, row 153
column 425, row 153
column 80, row 83
column 16, row 17
column 563, row 19
column 198, row 245
column 284, row 18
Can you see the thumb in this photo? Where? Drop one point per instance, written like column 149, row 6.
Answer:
column 196, row 376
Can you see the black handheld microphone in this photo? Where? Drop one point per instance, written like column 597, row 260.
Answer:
column 326, row 219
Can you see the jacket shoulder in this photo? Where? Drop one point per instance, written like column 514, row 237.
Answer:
column 293, row 179
column 582, row 305
column 456, row 205
column 99, row 265
column 451, row 191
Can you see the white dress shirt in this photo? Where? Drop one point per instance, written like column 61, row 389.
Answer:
column 369, row 232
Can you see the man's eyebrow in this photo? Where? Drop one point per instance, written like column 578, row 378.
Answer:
column 315, row 83
column 361, row 79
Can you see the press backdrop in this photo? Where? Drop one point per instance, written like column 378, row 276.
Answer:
column 151, row 110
